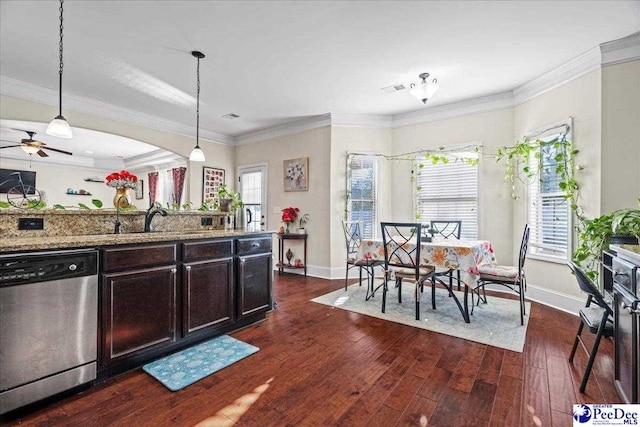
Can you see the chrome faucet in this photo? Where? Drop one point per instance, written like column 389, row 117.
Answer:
column 155, row 208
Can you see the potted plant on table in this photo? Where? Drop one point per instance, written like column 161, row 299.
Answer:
column 304, row 219
column 228, row 201
column 289, row 216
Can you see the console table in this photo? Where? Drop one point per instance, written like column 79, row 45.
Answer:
column 291, row 236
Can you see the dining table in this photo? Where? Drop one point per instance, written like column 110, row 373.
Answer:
column 446, row 254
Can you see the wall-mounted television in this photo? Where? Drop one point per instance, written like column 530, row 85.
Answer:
column 28, row 178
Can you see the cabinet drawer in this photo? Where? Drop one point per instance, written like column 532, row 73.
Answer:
column 138, row 256
column 194, row 251
column 253, row 245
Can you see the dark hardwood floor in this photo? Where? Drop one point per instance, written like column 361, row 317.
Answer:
column 323, row 366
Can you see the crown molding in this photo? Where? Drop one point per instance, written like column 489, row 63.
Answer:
column 361, row 120
column 622, row 50
column 481, row 104
column 42, row 95
column 154, row 158
column 297, row 126
column 576, row 67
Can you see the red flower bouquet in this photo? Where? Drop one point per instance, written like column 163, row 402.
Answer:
column 289, row 215
column 122, row 179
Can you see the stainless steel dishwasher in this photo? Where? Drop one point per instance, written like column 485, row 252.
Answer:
column 48, row 324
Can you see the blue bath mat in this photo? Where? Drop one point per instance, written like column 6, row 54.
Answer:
column 194, row 363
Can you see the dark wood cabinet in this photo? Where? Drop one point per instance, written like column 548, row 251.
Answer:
column 207, row 287
column 207, row 294
column 254, row 284
column 138, row 312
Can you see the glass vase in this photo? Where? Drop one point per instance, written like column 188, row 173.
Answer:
column 122, row 199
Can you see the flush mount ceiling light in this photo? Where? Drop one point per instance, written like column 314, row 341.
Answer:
column 59, row 126
column 196, row 154
column 424, row 90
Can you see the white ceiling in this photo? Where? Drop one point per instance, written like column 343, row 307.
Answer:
column 89, row 148
column 274, row 62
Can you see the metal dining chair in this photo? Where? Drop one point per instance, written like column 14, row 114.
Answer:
column 446, row 230
column 598, row 318
column 402, row 261
column 512, row 277
column 353, row 239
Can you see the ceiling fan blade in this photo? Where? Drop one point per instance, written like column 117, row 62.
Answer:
column 10, row 146
column 42, row 153
column 59, row 151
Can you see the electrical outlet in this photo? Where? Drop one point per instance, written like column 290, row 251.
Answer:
column 277, row 210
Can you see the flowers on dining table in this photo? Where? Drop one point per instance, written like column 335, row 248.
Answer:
column 122, row 179
column 289, row 215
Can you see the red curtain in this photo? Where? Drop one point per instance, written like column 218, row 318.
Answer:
column 152, row 178
column 178, row 182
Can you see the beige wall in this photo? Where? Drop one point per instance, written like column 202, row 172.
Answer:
column 54, row 180
column 217, row 155
column 491, row 129
column 356, row 140
column 315, row 144
column 620, row 136
column 580, row 99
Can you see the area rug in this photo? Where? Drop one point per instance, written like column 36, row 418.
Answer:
column 194, row 363
column 496, row 323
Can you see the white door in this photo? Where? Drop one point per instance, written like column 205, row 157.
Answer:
column 252, row 181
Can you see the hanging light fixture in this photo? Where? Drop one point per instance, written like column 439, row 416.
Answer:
column 196, row 154
column 425, row 89
column 59, row 126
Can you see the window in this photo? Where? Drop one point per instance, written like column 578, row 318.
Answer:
column 362, row 173
column 449, row 192
column 548, row 209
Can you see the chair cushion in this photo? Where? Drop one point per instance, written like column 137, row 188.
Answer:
column 498, row 272
column 364, row 262
column 411, row 272
column 592, row 316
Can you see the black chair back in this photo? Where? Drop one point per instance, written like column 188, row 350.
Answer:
column 402, row 245
column 588, row 287
column 352, row 236
column 523, row 250
column 446, row 229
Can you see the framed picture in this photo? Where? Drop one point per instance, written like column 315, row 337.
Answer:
column 140, row 189
column 296, row 174
column 211, row 180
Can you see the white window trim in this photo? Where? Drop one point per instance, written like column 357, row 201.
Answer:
column 376, row 195
column 542, row 134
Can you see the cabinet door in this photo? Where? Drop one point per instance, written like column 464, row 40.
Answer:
column 208, row 294
column 139, row 312
column 254, row 284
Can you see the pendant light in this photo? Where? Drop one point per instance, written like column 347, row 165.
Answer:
column 425, row 90
column 196, row 154
column 59, row 126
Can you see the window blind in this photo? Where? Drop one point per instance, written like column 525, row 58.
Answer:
column 363, row 194
column 449, row 192
column 548, row 209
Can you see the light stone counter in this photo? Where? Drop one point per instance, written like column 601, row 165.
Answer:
column 65, row 242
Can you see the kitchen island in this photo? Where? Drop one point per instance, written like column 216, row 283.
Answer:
column 157, row 292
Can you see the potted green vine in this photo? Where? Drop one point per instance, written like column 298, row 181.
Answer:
column 619, row 227
column 228, row 201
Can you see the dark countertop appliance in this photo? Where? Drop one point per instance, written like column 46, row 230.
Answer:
column 625, row 267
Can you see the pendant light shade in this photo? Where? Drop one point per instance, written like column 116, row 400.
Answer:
column 59, row 126
column 196, row 154
column 424, row 90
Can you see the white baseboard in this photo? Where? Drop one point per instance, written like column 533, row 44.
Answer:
column 563, row 302
column 312, row 270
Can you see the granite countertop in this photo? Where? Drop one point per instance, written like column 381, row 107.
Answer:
column 64, row 242
column 631, row 252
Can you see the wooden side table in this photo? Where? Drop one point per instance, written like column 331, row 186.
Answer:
column 290, row 236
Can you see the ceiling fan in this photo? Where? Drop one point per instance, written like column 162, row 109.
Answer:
column 32, row 146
